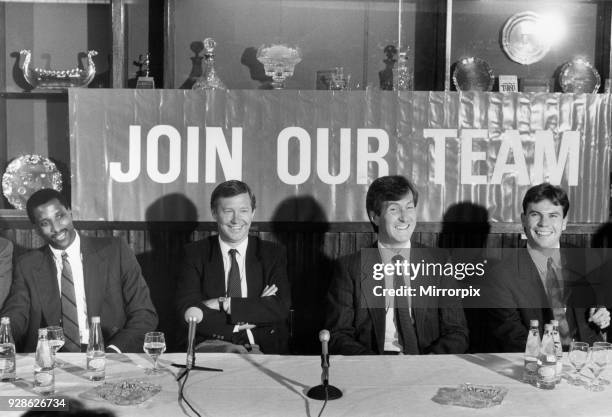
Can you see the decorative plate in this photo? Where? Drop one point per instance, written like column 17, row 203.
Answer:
column 27, row 174
column 522, row 39
column 579, row 76
column 473, row 74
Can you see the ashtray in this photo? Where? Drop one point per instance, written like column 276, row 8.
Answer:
column 127, row 391
column 471, row 395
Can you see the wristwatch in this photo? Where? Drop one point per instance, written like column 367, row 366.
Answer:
column 221, row 301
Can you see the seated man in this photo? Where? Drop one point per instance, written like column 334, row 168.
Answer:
column 542, row 281
column 239, row 282
column 6, row 268
column 73, row 278
column 359, row 326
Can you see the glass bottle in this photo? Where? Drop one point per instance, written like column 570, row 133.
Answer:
column 558, row 350
column 96, row 356
column 547, row 360
column 7, row 351
column 209, row 79
column 402, row 74
column 532, row 350
column 44, row 375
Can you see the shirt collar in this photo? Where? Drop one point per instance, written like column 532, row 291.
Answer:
column 73, row 251
column 241, row 248
column 540, row 257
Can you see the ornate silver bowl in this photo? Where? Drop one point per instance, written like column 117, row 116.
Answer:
column 53, row 79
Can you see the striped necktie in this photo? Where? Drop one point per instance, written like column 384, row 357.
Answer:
column 70, row 318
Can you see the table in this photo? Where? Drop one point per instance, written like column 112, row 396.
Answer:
column 270, row 385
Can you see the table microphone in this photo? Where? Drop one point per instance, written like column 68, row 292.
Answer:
column 193, row 316
column 324, row 391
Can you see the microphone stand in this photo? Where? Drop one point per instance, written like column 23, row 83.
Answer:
column 324, row 391
column 190, row 362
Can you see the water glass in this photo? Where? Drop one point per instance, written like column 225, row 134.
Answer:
column 578, row 355
column 55, row 334
column 154, row 346
column 608, row 347
column 598, row 359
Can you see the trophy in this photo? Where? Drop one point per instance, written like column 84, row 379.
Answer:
column 473, row 74
column 144, row 79
column 57, row 79
column 279, row 62
column 579, row 76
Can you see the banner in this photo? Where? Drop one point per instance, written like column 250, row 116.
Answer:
column 310, row 155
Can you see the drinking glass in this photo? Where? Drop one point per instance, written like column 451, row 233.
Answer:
column 154, row 346
column 578, row 355
column 598, row 359
column 55, row 334
column 608, row 347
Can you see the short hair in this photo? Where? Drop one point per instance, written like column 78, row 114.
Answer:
column 546, row 191
column 388, row 188
column 41, row 197
column 230, row 188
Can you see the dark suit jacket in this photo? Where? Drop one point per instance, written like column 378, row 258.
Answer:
column 201, row 277
column 114, row 289
column 6, row 269
column 514, row 285
column 357, row 324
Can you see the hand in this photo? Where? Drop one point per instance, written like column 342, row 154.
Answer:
column 212, row 303
column 245, row 326
column 600, row 316
column 270, row 290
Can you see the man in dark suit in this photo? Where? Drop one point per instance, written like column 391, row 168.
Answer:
column 6, row 268
column 73, row 278
column 542, row 281
column 239, row 282
column 363, row 324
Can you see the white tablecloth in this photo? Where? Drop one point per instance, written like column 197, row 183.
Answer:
column 264, row 385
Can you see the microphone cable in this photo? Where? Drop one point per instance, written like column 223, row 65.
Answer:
column 325, row 402
column 182, row 395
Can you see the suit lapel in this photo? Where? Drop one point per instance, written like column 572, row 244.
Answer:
column 255, row 280
column 45, row 281
column 375, row 305
column 94, row 275
column 214, row 269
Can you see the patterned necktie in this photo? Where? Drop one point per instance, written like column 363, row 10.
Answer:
column 403, row 319
column 70, row 318
column 233, row 280
column 555, row 292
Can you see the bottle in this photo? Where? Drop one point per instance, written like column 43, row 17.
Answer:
column 96, row 356
column 547, row 360
column 44, row 375
column 209, row 79
column 402, row 75
column 532, row 350
column 7, row 351
column 558, row 350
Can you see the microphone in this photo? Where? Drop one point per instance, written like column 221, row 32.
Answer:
column 324, row 338
column 324, row 391
column 193, row 316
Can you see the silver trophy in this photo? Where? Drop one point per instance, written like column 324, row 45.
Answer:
column 54, row 79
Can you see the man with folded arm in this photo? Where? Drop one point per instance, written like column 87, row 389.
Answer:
column 240, row 282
